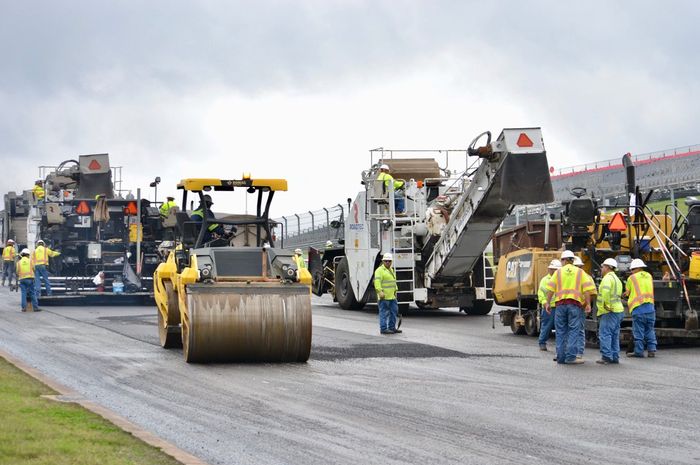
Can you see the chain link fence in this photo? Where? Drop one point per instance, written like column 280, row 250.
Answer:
column 313, row 228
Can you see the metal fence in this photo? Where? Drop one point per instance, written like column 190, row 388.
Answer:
column 313, row 228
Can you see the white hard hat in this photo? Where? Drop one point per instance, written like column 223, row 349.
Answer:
column 578, row 261
column 40, row 241
column 554, row 264
column 387, row 257
column 611, row 262
column 25, row 252
column 567, row 254
column 10, row 241
column 329, row 242
column 637, row 263
column 298, row 251
column 384, row 167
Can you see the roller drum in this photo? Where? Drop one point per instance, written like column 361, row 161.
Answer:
column 255, row 322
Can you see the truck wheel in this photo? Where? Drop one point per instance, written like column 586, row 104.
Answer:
column 425, row 306
column 531, row 328
column 480, row 308
column 343, row 289
column 517, row 330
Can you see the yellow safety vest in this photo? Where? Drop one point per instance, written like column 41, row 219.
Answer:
column 641, row 288
column 38, row 192
column 8, row 253
column 165, row 208
column 42, row 254
column 385, row 281
column 609, row 294
column 200, row 213
column 25, row 268
column 299, row 260
column 386, row 177
column 542, row 291
column 570, row 282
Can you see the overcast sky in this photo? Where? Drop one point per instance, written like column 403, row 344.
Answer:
column 303, row 89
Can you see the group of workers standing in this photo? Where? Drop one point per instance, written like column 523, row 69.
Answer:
column 565, row 297
column 30, row 270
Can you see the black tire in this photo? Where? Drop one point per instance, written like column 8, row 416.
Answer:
column 517, row 330
column 480, row 308
column 343, row 290
column 424, row 306
column 531, row 328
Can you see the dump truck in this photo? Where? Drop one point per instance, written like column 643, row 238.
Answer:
column 449, row 218
column 668, row 242
column 225, row 293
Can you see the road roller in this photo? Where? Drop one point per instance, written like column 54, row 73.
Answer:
column 225, row 293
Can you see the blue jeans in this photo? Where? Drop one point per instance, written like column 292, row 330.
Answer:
column 399, row 203
column 546, row 325
column 643, row 332
column 41, row 273
column 609, row 335
column 26, row 286
column 568, row 322
column 8, row 271
column 388, row 311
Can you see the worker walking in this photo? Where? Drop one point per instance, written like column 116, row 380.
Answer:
column 386, row 288
column 572, row 296
column 640, row 292
column 299, row 259
column 25, row 275
column 399, row 201
column 41, row 266
column 546, row 317
column 39, row 192
column 167, row 206
column 582, row 333
column 610, row 313
column 9, row 257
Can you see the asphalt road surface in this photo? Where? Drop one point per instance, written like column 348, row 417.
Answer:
column 450, row 389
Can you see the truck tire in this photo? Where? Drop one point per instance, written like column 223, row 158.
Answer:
column 480, row 308
column 343, row 290
column 531, row 328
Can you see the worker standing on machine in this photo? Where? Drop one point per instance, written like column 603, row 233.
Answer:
column 9, row 256
column 582, row 333
column 167, row 206
column 572, row 296
column 640, row 292
column 198, row 217
column 546, row 317
column 41, row 266
column 299, row 259
column 39, row 192
column 329, row 244
column 25, row 275
column 610, row 313
column 399, row 201
column 386, row 287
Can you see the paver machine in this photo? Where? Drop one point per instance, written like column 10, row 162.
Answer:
column 225, row 292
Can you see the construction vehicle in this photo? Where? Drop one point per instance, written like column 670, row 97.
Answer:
column 668, row 243
column 231, row 295
column 450, row 216
column 13, row 218
column 96, row 231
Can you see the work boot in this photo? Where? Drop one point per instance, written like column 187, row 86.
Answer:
column 634, row 355
column 543, row 347
column 651, row 354
column 396, row 331
column 386, row 331
column 24, row 309
column 37, row 309
column 576, row 361
column 603, row 361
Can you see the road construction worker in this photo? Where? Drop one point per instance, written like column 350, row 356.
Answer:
column 25, row 275
column 546, row 317
column 386, row 287
column 198, row 216
column 329, row 244
column 9, row 256
column 41, row 266
column 582, row 335
column 571, row 292
column 610, row 313
column 167, row 205
column 299, row 259
column 38, row 191
column 399, row 201
column 639, row 290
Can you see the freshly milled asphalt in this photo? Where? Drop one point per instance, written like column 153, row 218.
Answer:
column 450, row 389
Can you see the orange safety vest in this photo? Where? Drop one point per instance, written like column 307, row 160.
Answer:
column 25, row 268
column 8, row 253
column 641, row 288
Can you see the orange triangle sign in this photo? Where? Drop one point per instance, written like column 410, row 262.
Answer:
column 524, row 141
column 94, row 165
column 618, row 223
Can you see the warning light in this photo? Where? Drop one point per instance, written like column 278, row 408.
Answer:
column 131, row 209
column 246, row 176
column 551, row 170
column 83, row 208
column 618, row 223
column 94, row 165
column 524, row 141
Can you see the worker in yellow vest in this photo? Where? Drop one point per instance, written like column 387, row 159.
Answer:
column 167, row 205
column 610, row 313
column 299, row 259
column 41, row 266
column 639, row 290
column 9, row 256
column 386, row 288
column 39, row 192
column 25, row 275
column 572, row 296
column 582, row 332
column 399, row 201
column 546, row 317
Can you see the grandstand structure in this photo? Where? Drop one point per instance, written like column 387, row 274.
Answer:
column 668, row 172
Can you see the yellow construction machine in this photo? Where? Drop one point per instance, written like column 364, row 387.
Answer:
column 225, row 293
